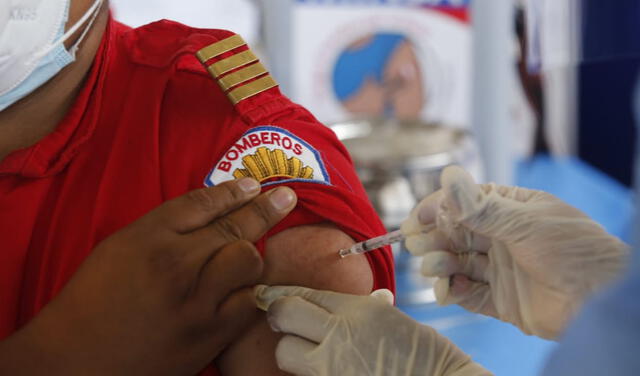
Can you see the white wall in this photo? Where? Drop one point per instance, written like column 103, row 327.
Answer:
column 240, row 16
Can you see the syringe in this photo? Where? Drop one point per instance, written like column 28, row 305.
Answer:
column 372, row 244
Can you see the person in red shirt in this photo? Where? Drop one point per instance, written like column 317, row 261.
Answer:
column 137, row 121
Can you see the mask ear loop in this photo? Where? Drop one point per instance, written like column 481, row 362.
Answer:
column 92, row 14
column 95, row 11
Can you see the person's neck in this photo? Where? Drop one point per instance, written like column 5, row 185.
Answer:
column 34, row 117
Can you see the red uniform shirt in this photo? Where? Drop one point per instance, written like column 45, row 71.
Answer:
column 149, row 125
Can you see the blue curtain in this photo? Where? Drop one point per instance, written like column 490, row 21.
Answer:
column 607, row 75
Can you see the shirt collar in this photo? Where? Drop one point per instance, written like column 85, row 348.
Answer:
column 54, row 152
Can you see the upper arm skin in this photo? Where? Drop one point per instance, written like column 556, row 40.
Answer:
column 304, row 256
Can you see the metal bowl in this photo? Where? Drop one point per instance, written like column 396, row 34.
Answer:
column 399, row 163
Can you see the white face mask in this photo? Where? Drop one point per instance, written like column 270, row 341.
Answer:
column 32, row 44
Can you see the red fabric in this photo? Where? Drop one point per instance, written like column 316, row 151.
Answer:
column 148, row 126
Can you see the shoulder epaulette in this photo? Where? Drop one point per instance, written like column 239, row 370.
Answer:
column 240, row 75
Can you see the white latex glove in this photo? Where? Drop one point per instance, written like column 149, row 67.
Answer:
column 328, row 333
column 519, row 255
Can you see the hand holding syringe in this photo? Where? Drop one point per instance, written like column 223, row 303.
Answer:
column 373, row 243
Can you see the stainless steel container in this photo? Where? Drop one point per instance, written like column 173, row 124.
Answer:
column 399, row 163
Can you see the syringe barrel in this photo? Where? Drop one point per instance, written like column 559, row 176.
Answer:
column 374, row 243
column 383, row 240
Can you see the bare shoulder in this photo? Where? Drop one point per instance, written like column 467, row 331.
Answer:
column 308, row 255
column 304, row 256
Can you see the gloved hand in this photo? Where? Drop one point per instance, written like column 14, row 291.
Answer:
column 328, row 333
column 519, row 255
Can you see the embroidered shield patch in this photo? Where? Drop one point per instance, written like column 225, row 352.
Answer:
column 271, row 155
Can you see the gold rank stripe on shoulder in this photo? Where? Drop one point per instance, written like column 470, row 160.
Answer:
column 221, row 47
column 246, row 67
column 243, row 75
column 236, row 61
column 253, row 88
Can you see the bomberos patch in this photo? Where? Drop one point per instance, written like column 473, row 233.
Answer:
column 271, row 155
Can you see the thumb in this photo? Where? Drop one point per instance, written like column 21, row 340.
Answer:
column 329, row 300
column 462, row 196
column 484, row 211
column 383, row 295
